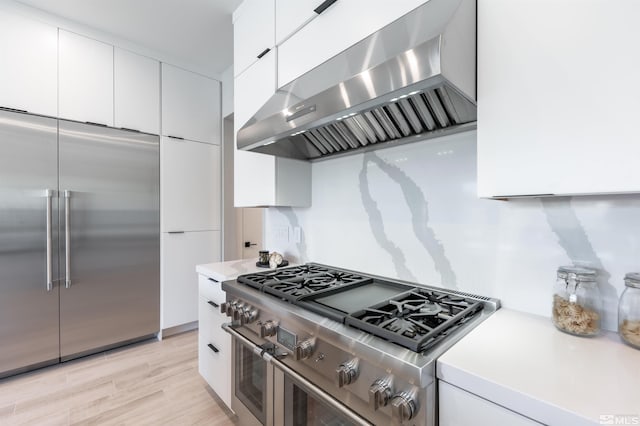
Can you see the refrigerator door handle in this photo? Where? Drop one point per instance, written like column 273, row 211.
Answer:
column 49, row 195
column 67, row 238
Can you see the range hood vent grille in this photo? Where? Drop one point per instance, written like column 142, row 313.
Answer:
column 410, row 116
column 414, row 79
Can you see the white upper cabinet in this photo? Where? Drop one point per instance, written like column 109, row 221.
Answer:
column 136, row 92
column 190, row 105
column 29, row 71
column 340, row 26
column 291, row 15
column 253, row 32
column 260, row 179
column 558, row 97
column 85, row 79
column 190, row 186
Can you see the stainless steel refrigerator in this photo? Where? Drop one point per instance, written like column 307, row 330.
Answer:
column 79, row 239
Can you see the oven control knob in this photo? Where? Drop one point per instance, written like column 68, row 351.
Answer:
column 236, row 311
column 230, row 306
column 304, row 349
column 379, row 394
column 347, row 372
column 403, row 407
column 223, row 308
column 249, row 315
column 268, row 328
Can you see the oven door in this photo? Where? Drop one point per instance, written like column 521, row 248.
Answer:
column 252, row 385
column 299, row 402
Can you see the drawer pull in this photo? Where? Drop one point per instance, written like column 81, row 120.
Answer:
column 264, row 52
column 324, row 6
column 213, row 348
column 213, row 281
column 214, row 304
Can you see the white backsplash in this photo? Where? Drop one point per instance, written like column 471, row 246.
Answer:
column 411, row 212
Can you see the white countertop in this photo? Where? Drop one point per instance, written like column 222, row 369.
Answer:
column 222, row 271
column 522, row 362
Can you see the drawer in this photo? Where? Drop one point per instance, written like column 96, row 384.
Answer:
column 215, row 367
column 211, row 289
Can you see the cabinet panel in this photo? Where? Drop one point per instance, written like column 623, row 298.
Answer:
column 458, row 407
column 190, row 105
column 29, row 71
column 253, row 32
column 190, row 185
column 291, row 15
column 136, row 92
column 554, row 116
column 85, row 79
column 214, row 367
column 211, row 290
column 180, row 255
column 337, row 28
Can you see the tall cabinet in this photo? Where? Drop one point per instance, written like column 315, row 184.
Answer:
column 190, row 189
column 260, row 179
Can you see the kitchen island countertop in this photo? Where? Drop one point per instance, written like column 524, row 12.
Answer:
column 522, row 362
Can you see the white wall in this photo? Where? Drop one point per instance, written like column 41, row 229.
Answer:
column 227, row 91
column 411, row 212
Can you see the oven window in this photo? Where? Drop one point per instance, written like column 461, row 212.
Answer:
column 251, row 381
column 302, row 408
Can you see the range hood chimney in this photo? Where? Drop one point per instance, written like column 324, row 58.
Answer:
column 413, row 79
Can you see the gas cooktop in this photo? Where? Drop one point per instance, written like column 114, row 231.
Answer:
column 410, row 316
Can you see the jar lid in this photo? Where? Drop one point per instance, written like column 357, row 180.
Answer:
column 578, row 273
column 562, row 271
column 632, row 279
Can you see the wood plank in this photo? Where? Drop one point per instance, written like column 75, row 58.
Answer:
column 149, row 383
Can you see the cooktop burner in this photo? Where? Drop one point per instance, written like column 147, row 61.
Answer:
column 294, row 274
column 310, row 284
column 410, row 316
column 417, row 319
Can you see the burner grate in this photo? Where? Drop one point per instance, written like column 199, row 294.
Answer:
column 417, row 319
column 311, row 284
column 288, row 275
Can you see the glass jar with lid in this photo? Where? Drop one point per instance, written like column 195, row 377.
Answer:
column 629, row 311
column 577, row 304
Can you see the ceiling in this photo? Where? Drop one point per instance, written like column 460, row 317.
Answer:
column 197, row 32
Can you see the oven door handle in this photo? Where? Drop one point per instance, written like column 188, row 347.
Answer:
column 326, row 398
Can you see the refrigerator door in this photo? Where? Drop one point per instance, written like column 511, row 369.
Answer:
column 28, row 242
column 109, row 180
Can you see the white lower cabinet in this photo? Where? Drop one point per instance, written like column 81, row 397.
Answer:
column 214, row 345
column 458, row 407
column 181, row 252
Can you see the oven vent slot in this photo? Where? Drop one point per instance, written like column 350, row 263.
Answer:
column 473, row 296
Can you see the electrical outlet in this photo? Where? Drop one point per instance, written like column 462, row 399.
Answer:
column 281, row 234
column 297, row 235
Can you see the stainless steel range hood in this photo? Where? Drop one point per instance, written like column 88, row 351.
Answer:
column 414, row 79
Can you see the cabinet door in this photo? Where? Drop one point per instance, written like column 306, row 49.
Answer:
column 337, row 28
column 554, row 118
column 190, row 181
column 291, row 15
column 29, row 71
column 190, row 105
column 253, row 32
column 214, row 351
column 136, row 92
column 458, row 407
column 180, row 255
column 85, row 79
column 254, row 174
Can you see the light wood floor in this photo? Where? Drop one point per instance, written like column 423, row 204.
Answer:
column 149, row 383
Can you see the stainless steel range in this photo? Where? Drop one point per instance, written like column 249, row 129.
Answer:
column 317, row 345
